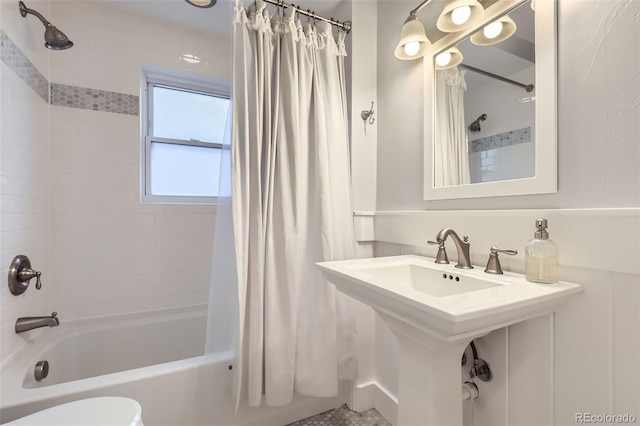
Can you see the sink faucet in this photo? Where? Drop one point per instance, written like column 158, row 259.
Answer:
column 463, row 245
column 29, row 323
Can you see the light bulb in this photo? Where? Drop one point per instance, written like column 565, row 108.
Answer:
column 492, row 30
column 443, row 59
column 460, row 14
column 411, row 48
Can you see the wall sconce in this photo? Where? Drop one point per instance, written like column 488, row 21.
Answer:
column 495, row 32
column 449, row 58
column 459, row 15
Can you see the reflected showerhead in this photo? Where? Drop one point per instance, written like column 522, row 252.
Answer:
column 475, row 126
column 54, row 39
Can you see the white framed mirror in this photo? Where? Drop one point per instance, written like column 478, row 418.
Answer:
column 491, row 121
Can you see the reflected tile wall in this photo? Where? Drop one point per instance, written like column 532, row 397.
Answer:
column 501, row 140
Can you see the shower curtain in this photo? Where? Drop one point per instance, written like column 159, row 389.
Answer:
column 451, row 153
column 291, row 206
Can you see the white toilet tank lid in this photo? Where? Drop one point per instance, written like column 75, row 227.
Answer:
column 102, row 411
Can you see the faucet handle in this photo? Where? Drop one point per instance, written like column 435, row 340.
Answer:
column 465, row 238
column 39, row 281
column 496, row 250
column 493, row 265
column 441, row 257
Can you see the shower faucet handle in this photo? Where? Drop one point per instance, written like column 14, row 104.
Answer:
column 20, row 275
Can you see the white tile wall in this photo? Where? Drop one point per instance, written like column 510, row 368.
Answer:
column 24, row 201
column 110, row 254
column 509, row 162
column 70, row 177
column 126, row 256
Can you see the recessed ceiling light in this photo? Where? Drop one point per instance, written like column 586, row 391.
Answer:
column 190, row 58
column 202, row 3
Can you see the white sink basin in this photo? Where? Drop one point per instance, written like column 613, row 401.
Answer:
column 444, row 300
column 435, row 311
column 436, row 282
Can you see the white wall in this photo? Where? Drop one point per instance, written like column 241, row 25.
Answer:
column 586, row 357
column 597, row 91
column 24, row 175
column 111, row 254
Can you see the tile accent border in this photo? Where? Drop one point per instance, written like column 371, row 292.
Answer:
column 96, row 100
column 501, row 140
column 61, row 94
column 18, row 62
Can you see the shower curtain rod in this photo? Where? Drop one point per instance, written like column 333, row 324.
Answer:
column 527, row 87
column 346, row 25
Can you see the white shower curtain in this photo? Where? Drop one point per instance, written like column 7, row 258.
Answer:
column 451, row 154
column 291, row 206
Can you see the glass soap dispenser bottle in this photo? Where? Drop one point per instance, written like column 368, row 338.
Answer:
column 541, row 256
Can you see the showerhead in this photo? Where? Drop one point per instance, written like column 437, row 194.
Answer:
column 475, row 126
column 54, row 39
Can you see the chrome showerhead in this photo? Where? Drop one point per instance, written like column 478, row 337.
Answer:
column 54, row 39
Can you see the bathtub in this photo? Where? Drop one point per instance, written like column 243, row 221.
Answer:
column 125, row 355
column 156, row 358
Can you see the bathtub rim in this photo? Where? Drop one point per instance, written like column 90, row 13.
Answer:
column 13, row 371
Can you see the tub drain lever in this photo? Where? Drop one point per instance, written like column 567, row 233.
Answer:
column 42, row 370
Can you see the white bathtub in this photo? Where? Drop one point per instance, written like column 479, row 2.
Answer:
column 155, row 358
column 146, row 356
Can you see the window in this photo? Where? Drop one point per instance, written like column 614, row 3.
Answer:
column 185, row 120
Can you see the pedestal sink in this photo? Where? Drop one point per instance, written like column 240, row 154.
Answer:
column 434, row 311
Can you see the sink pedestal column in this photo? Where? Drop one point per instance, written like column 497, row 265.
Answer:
column 430, row 380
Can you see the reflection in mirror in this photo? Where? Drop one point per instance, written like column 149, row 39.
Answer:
column 485, row 104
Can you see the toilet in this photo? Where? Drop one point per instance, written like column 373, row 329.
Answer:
column 102, row 411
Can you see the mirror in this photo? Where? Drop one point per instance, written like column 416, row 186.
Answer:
column 490, row 120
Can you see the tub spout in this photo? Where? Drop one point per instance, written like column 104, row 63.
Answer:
column 29, row 323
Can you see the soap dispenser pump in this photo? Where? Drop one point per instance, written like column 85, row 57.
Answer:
column 541, row 256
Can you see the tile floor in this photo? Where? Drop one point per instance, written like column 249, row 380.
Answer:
column 342, row 416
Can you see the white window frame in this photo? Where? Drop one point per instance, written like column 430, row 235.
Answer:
column 156, row 76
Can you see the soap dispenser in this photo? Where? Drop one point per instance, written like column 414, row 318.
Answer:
column 541, row 256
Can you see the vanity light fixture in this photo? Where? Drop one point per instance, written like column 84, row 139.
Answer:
column 495, row 32
column 448, row 59
column 413, row 39
column 459, row 15
column 202, row 3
